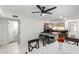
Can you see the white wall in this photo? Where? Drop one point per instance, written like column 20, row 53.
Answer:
column 0, row 25
column 30, row 28
column 0, row 31
column 3, row 31
column 1, row 11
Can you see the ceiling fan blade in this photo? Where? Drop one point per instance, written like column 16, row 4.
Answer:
column 36, row 12
column 50, row 9
column 48, row 13
column 40, row 7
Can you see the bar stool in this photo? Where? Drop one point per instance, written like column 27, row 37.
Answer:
column 30, row 47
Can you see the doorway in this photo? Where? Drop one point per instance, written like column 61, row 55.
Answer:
column 13, row 31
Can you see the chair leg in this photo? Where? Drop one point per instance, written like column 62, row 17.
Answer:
column 29, row 47
column 77, row 43
column 25, row 52
column 38, row 43
column 43, row 43
column 48, row 41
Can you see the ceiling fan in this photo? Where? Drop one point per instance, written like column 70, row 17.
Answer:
column 44, row 11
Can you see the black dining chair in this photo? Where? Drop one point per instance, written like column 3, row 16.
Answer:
column 45, row 40
column 31, row 47
column 51, row 40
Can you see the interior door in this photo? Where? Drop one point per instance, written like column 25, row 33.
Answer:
column 13, row 33
column 72, row 29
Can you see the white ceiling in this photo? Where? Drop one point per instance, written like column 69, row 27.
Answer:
column 68, row 11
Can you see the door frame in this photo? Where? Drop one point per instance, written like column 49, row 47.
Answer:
column 14, row 19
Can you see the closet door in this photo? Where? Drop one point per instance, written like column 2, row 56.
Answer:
column 4, row 31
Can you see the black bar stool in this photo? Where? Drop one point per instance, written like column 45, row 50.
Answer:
column 30, row 47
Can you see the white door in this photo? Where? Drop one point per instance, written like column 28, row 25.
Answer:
column 72, row 29
column 13, row 33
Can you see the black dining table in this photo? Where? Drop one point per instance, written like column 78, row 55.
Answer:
column 47, row 37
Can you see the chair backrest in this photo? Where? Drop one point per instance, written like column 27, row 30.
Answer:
column 30, row 47
column 31, row 41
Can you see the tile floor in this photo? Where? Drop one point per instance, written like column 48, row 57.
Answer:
column 12, row 48
column 53, row 48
